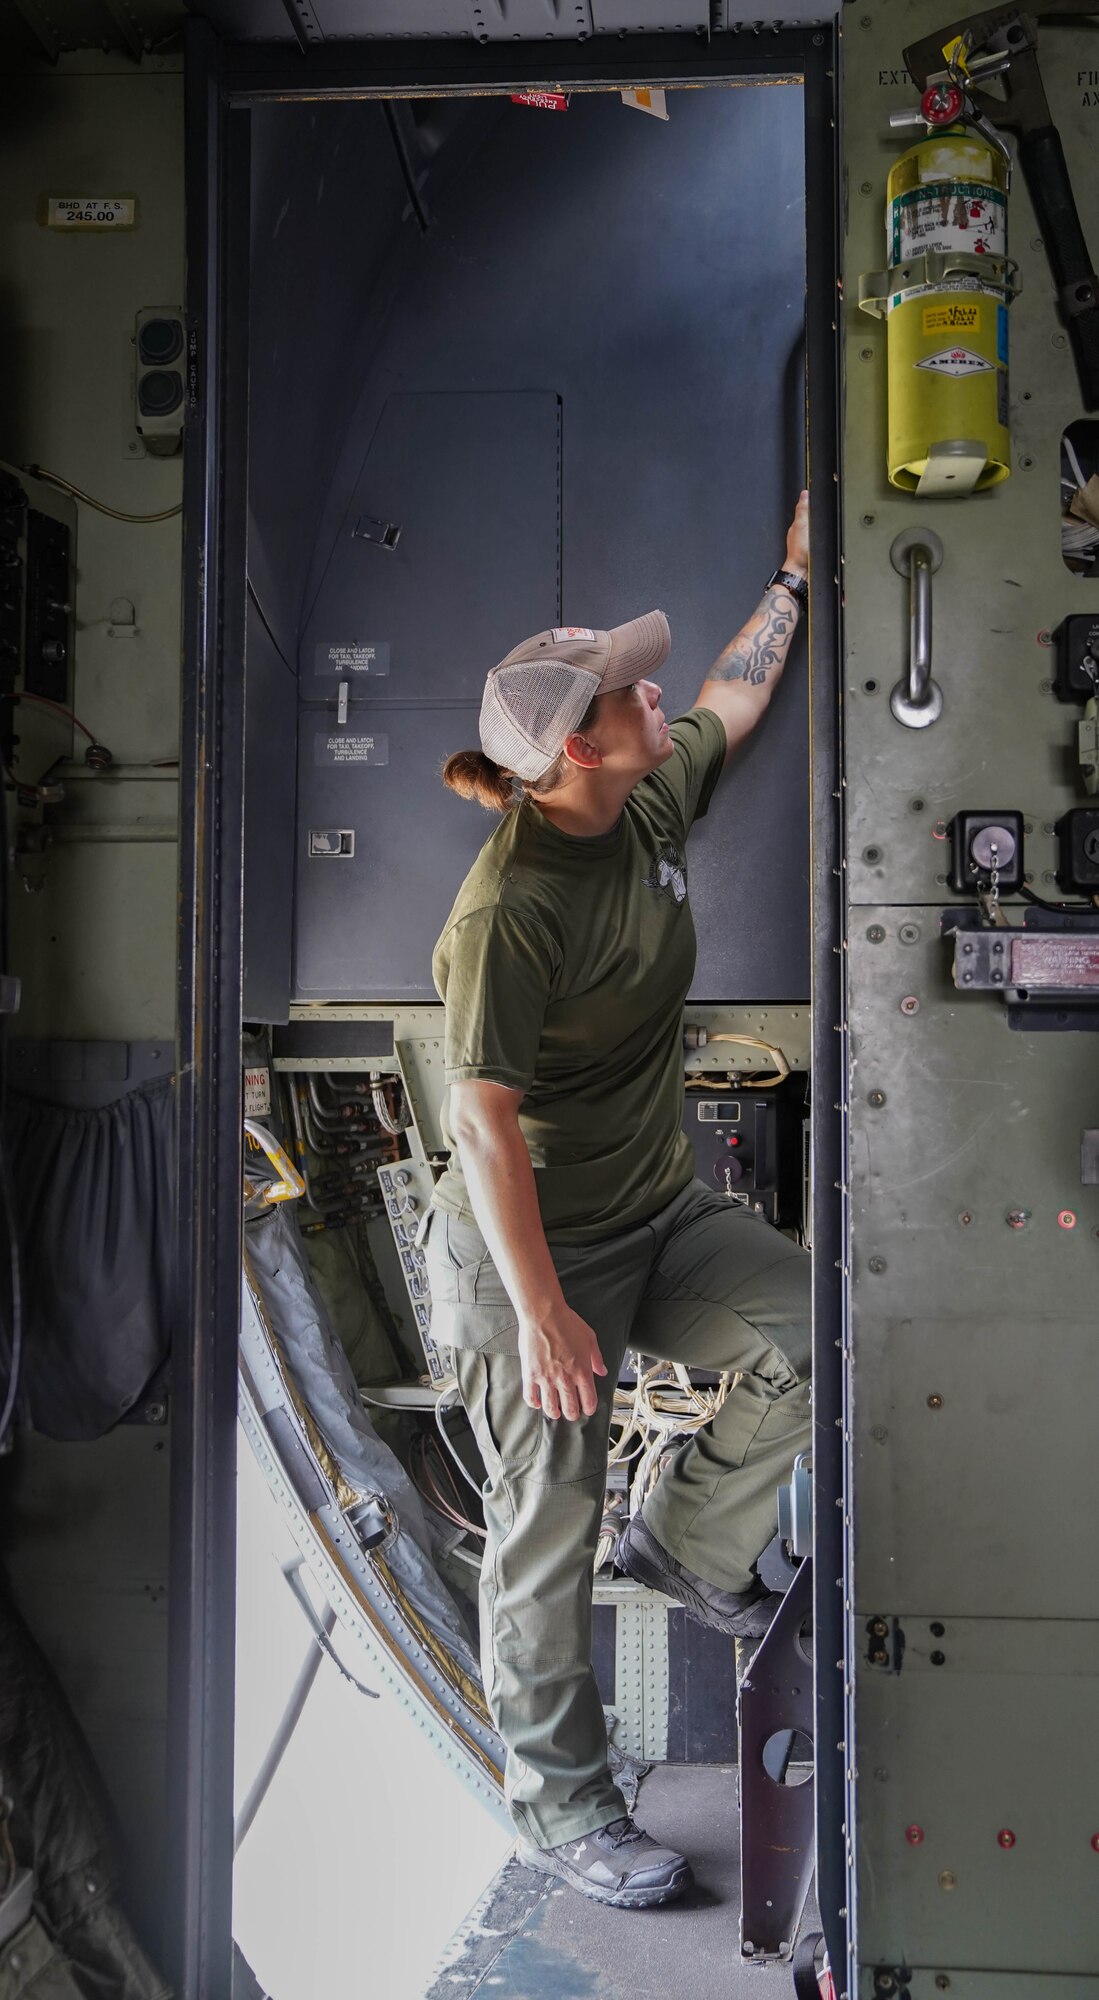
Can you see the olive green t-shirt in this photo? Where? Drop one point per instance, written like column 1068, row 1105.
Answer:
column 564, row 966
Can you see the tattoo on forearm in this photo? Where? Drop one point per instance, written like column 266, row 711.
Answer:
column 763, row 644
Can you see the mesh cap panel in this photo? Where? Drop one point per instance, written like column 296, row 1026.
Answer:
column 529, row 708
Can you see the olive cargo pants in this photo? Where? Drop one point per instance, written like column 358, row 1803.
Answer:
column 704, row 1283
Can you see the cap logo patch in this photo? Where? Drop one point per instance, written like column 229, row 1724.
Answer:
column 562, row 633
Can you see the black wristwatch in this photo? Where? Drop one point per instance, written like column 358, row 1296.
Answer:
column 798, row 586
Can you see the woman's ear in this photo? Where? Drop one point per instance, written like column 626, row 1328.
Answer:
column 581, row 751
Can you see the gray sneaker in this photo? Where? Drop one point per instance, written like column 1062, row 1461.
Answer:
column 745, row 1614
column 617, row 1864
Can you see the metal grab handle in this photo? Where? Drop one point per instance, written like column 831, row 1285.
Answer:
column 917, row 700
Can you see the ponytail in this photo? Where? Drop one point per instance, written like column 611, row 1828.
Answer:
column 474, row 776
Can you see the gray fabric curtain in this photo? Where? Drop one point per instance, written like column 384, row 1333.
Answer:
column 322, row 1374
column 93, row 1191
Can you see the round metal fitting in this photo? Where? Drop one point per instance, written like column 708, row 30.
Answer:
column 1005, row 1837
column 1017, row 1218
column 876, row 934
column 913, row 1835
column 993, row 845
column 941, row 103
column 915, row 716
column 909, row 934
column 934, row 1402
column 877, row 1265
column 1066, row 1219
column 877, row 1099
column 915, row 538
column 910, row 1004
column 948, row 1879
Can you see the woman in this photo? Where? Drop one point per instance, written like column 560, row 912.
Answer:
column 568, row 1224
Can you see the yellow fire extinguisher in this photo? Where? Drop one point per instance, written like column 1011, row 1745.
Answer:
column 945, row 301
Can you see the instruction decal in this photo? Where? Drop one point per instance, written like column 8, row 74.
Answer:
column 346, row 746
column 563, row 635
column 90, row 211
column 956, row 361
column 257, row 1093
column 962, row 317
column 352, row 656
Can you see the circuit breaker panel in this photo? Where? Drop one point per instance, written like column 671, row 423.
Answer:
column 971, row 531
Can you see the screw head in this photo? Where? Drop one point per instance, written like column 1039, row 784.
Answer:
column 881, row 1774
column 1095, row 1842
column 871, row 854
column 965, row 1218
column 877, row 1099
column 910, row 1004
column 942, row 1982
column 909, row 933
column 877, row 1265
column 914, row 1835
column 1066, row 1219
column 1017, row 1218
column 876, row 934
column 1005, row 1837
column 934, row 1402
column 868, row 520
column 948, row 1879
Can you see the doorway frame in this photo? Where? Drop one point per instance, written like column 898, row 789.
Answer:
column 223, row 81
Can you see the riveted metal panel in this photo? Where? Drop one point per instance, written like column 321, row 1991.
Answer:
column 984, row 1845
column 973, row 1250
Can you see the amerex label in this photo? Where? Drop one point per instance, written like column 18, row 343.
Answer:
column 348, row 746
column 956, row 361
column 257, row 1093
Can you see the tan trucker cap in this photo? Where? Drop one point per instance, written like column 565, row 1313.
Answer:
column 536, row 696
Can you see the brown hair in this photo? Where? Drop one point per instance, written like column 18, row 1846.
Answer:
column 474, row 776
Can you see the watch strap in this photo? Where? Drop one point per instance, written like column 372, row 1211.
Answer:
column 797, row 585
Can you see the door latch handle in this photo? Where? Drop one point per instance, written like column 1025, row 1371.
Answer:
column 917, row 700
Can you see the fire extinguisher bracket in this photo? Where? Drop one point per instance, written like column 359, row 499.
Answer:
column 931, row 272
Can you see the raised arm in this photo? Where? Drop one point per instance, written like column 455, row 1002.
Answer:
column 742, row 680
column 559, row 1351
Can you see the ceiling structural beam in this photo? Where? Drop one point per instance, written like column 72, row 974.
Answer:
column 129, row 27
column 302, row 16
column 47, row 37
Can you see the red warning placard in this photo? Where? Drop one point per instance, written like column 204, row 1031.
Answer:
column 542, row 100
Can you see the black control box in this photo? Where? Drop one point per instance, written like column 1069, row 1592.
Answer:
column 980, row 841
column 1077, row 640
column 1078, row 850
column 748, row 1146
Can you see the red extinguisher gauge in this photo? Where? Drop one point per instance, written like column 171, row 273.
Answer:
column 942, row 103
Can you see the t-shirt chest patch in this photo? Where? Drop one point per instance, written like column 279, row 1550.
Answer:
column 668, row 876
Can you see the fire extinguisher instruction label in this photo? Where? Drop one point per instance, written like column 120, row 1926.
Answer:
column 956, row 361
column 949, row 215
column 964, row 316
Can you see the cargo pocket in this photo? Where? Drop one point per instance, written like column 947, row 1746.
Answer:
column 469, row 1306
column 508, row 1432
